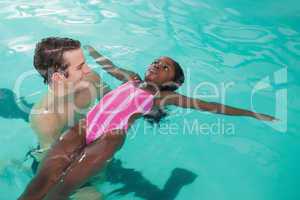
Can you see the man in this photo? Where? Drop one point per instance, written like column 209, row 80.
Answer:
column 72, row 89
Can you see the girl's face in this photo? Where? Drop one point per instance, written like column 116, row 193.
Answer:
column 161, row 71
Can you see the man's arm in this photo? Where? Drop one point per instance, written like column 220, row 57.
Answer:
column 48, row 128
column 119, row 73
column 173, row 98
column 91, row 87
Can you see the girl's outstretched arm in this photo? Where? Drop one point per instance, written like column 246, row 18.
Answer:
column 119, row 73
column 173, row 98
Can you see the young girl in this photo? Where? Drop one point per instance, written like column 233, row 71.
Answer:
column 83, row 151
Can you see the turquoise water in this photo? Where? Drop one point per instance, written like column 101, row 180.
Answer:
column 251, row 47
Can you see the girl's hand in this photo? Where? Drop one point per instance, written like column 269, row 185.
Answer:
column 89, row 48
column 264, row 117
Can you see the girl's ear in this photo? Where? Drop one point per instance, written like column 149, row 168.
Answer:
column 171, row 85
column 177, row 84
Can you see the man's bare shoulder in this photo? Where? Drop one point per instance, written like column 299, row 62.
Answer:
column 45, row 122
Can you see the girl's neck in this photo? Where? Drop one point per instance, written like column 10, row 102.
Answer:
column 150, row 87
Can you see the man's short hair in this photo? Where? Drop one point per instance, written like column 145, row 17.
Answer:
column 48, row 56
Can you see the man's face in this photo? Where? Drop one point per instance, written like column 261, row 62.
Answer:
column 77, row 68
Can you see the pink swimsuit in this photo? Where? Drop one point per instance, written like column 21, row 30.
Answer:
column 115, row 109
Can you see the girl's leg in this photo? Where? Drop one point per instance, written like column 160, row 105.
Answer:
column 91, row 161
column 56, row 161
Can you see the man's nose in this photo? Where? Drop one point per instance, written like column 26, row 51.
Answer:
column 86, row 69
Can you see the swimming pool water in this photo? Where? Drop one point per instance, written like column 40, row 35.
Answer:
column 250, row 48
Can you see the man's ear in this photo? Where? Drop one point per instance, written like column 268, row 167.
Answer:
column 56, row 76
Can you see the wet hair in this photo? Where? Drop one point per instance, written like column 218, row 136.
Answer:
column 157, row 115
column 48, row 56
column 177, row 81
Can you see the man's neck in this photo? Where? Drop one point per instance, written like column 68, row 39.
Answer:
column 60, row 91
column 58, row 98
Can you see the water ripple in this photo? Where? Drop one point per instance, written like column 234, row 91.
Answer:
column 65, row 12
column 287, row 31
column 21, row 44
column 232, row 11
column 196, row 4
column 264, row 156
column 239, row 33
column 109, row 14
column 78, row 19
column 119, row 50
column 32, row 9
column 294, row 47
